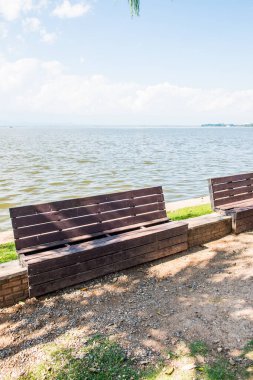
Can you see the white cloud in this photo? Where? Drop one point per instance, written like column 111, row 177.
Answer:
column 3, row 31
column 33, row 24
column 68, row 10
column 48, row 38
column 32, row 90
column 12, row 9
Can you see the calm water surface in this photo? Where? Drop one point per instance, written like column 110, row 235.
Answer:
column 40, row 165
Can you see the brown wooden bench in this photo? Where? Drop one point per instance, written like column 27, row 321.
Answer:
column 233, row 195
column 71, row 241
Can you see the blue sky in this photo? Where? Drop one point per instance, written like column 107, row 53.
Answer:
column 90, row 62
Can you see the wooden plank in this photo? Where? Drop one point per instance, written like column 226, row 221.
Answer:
column 232, row 185
column 230, row 193
column 86, row 266
column 236, row 205
column 82, row 221
column 87, row 210
column 105, row 227
column 160, row 231
column 244, row 221
column 172, row 241
column 107, row 246
column 80, row 267
column 78, row 202
column 87, row 238
column 148, row 199
column 234, row 199
column 59, row 226
column 242, row 228
column 232, row 178
column 81, row 277
column 243, row 213
column 31, row 220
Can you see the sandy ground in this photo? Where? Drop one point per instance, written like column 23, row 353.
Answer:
column 172, row 206
column 6, row 236
column 203, row 294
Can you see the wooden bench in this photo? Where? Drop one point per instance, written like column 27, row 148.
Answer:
column 233, row 195
column 71, row 241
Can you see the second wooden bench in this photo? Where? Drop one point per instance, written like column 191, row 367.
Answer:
column 233, row 195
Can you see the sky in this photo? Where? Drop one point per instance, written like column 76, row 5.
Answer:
column 88, row 62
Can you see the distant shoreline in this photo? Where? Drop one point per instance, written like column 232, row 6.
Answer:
column 222, row 125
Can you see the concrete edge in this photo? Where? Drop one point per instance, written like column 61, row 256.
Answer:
column 11, row 269
column 206, row 219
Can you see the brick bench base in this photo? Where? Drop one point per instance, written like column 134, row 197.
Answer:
column 206, row 228
column 13, row 283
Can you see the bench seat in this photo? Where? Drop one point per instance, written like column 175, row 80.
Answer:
column 114, row 239
column 55, row 269
column 233, row 195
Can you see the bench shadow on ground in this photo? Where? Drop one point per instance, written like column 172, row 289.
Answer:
column 202, row 294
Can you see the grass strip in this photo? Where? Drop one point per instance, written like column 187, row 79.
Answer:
column 189, row 212
column 7, row 252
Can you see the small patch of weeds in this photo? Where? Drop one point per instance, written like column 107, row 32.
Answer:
column 198, row 348
column 248, row 347
column 101, row 359
column 219, row 370
column 172, row 355
column 7, row 252
column 152, row 372
column 190, row 212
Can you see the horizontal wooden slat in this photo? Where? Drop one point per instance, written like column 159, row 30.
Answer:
column 244, row 213
column 88, row 230
column 87, row 238
column 87, row 210
column 85, row 220
column 80, row 202
column 46, row 228
column 81, row 277
column 234, row 199
column 230, row 193
column 85, row 266
column 232, row 178
column 232, row 185
column 101, row 247
column 245, row 221
column 102, row 261
column 235, row 205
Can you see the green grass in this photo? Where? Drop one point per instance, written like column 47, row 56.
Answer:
column 190, row 212
column 7, row 252
column 198, row 348
column 248, row 347
column 219, row 370
column 100, row 359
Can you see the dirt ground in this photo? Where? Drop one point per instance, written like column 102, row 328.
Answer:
column 203, row 294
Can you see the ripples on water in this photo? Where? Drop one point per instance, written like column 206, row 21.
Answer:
column 40, row 165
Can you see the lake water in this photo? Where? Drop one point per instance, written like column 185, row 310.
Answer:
column 40, row 164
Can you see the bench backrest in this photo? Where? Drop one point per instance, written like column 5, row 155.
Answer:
column 44, row 225
column 230, row 190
